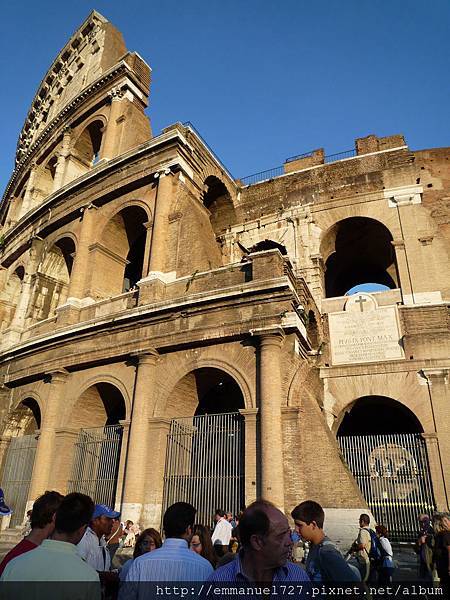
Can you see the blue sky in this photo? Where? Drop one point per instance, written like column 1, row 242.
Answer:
column 261, row 80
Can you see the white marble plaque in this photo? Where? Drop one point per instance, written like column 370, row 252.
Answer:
column 364, row 332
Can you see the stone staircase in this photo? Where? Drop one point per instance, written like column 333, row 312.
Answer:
column 8, row 539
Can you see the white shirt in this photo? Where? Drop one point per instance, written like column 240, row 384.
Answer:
column 222, row 532
column 172, row 562
column 94, row 551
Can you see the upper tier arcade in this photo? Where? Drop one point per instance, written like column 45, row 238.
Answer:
column 88, row 108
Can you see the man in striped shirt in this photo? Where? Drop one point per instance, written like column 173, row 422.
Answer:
column 266, row 543
column 173, row 562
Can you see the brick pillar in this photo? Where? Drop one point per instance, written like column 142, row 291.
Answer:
column 158, row 430
column 439, row 388
column 139, row 442
column 251, row 460
column 80, row 268
column 111, row 141
column 148, row 243
column 45, row 451
column 403, row 271
column 122, row 463
column 61, row 164
column 272, row 478
column 161, row 223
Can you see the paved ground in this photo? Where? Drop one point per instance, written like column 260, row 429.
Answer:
column 406, row 563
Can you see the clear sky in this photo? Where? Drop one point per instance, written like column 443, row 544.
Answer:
column 261, row 80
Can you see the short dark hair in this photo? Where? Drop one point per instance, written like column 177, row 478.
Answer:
column 220, row 512
column 74, row 511
column 178, row 518
column 44, row 508
column 254, row 521
column 365, row 518
column 309, row 511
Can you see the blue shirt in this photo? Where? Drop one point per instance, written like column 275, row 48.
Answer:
column 172, row 562
column 232, row 572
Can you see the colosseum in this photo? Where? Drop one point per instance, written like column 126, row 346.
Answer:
column 170, row 332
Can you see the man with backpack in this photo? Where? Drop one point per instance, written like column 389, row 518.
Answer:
column 369, row 550
column 325, row 562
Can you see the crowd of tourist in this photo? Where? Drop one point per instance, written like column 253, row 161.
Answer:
column 71, row 539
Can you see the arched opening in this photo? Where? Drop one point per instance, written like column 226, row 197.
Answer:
column 22, row 425
column 217, row 200
column 87, row 146
column 205, row 391
column 100, row 405
column 121, row 252
column 356, row 251
column 373, row 415
column 44, row 179
column 205, row 454
column 52, row 279
column 9, row 297
column 268, row 245
column 380, row 439
column 97, row 450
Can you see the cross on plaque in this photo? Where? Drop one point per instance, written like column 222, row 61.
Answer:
column 360, row 302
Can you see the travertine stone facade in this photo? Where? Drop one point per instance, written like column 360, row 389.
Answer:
column 133, row 266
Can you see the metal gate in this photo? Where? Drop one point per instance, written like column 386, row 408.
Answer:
column 205, row 464
column 17, row 474
column 393, row 475
column 96, row 463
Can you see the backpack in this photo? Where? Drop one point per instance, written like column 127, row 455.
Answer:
column 377, row 552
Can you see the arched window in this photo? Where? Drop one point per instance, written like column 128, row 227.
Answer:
column 87, row 147
column 358, row 251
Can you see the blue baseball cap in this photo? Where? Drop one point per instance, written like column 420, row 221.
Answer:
column 101, row 510
column 4, row 509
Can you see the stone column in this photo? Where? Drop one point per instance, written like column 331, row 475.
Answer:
column 61, row 164
column 161, row 223
column 159, row 428
column 27, row 199
column 431, row 441
column 110, row 145
column 148, row 243
column 138, row 446
column 272, row 478
column 45, row 451
column 77, row 284
column 122, row 464
column 438, row 381
column 65, row 440
column 12, row 334
column 403, row 271
column 251, row 459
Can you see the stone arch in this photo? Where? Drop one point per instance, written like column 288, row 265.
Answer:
column 9, row 296
column 120, row 251
column 86, row 147
column 99, row 403
column 188, row 367
column 116, row 382
column 25, row 416
column 45, row 177
column 377, row 414
column 52, row 278
column 358, row 250
column 217, row 199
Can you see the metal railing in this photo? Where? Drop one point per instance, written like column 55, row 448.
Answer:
column 96, row 463
column 17, row 474
column 205, row 464
column 393, row 475
column 340, row 155
column 277, row 171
